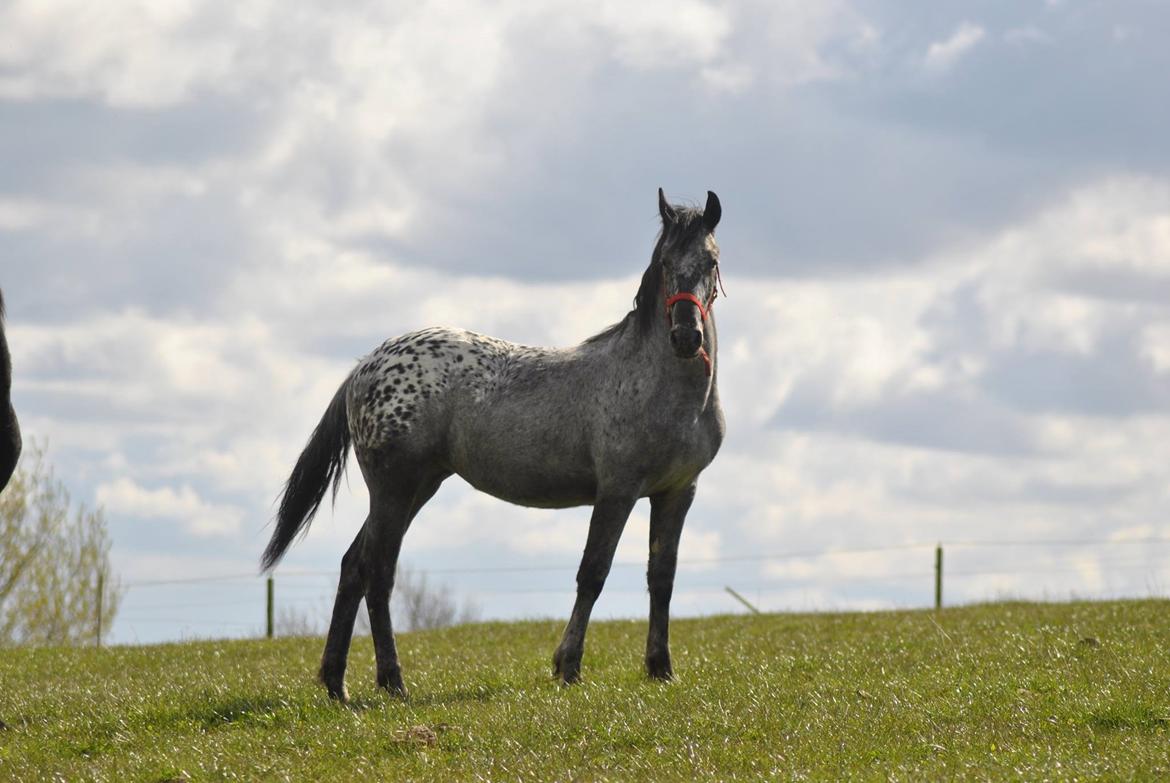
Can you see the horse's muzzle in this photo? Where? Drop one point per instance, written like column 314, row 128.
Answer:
column 686, row 341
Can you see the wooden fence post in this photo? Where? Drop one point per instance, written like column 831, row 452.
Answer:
column 938, row 576
column 101, row 589
column 742, row 600
column 270, row 601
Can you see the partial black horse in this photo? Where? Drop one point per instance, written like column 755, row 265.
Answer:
column 9, row 428
column 632, row 412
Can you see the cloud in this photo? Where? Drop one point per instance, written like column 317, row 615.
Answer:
column 948, row 302
column 125, row 497
column 947, row 420
column 861, row 409
column 656, row 34
column 371, row 132
column 131, row 53
column 1002, row 331
column 1113, row 380
column 18, row 215
column 942, row 55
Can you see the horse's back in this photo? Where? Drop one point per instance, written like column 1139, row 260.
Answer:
column 411, row 386
column 495, row 412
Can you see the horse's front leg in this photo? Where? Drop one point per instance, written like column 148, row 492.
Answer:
column 667, row 514
column 605, row 529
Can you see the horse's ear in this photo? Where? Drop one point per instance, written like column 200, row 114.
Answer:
column 665, row 209
column 712, row 212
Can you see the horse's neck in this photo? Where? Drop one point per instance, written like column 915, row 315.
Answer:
column 650, row 353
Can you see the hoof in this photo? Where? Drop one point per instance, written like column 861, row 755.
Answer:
column 658, row 667
column 391, row 682
column 566, row 667
column 337, row 692
column 335, row 685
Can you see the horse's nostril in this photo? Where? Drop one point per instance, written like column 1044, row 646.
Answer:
column 686, row 341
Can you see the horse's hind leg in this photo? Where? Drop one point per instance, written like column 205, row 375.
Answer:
column 605, row 529
column 345, row 607
column 667, row 514
column 392, row 508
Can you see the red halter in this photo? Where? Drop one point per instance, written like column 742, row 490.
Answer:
column 704, row 310
column 685, row 296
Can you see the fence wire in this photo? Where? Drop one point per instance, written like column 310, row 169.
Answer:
column 298, row 589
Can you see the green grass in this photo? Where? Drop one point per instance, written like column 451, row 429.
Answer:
column 993, row 692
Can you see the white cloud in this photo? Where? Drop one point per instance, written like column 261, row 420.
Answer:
column 728, row 78
column 799, row 37
column 201, row 302
column 131, row 53
column 664, row 33
column 22, row 214
column 942, row 55
column 229, row 402
column 125, row 497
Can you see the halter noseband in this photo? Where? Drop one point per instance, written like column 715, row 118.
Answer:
column 704, row 310
column 686, row 296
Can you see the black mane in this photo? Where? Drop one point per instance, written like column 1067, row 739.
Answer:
column 687, row 225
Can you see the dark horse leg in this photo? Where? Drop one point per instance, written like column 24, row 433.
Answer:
column 345, row 607
column 9, row 428
column 605, row 529
column 667, row 514
column 9, row 443
column 368, row 569
column 393, row 513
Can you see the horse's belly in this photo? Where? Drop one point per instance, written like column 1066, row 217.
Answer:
column 526, row 484
column 523, row 448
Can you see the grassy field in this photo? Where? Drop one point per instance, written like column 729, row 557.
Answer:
column 1001, row 691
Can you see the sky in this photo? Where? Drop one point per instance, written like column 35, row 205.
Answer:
column 945, row 243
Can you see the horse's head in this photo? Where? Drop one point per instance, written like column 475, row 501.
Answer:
column 689, row 260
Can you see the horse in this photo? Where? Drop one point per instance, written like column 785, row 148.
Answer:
column 631, row 412
column 9, row 427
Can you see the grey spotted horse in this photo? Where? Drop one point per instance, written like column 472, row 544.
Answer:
column 632, row 412
column 9, row 428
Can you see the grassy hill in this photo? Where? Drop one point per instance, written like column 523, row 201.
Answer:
column 1056, row 691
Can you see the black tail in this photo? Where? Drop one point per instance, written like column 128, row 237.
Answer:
column 322, row 462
